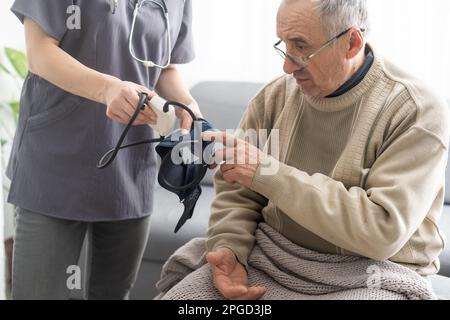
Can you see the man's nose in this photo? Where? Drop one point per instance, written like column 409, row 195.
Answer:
column 289, row 67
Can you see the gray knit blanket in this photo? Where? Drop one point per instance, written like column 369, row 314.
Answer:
column 290, row 272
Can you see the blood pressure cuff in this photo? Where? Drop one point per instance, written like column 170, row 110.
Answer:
column 183, row 176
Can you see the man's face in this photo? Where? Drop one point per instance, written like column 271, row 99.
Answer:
column 299, row 26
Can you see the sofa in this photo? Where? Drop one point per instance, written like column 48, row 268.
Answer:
column 223, row 104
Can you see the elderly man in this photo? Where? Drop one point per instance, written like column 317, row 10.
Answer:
column 363, row 151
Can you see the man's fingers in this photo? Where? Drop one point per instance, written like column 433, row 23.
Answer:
column 253, row 293
column 226, row 139
column 224, row 154
column 233, row 292
column 228, row 289
column 227, row 167
column 239, row 154
column 230, row 176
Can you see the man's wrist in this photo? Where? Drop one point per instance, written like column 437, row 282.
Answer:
column 265, row 181
column 239, row 258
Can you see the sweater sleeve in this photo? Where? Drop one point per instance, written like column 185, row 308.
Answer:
column 236, row 210
column 376, row 221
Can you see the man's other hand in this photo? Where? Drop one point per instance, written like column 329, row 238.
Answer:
column 230, row 277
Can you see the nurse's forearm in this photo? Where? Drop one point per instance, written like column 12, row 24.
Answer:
column 171, row 86
column 50, row 62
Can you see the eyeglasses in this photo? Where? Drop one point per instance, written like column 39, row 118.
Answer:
column 302, row 61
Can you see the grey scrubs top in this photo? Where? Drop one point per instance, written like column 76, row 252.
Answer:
column 61, row 136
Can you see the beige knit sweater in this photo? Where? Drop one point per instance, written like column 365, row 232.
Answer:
column 385, row 194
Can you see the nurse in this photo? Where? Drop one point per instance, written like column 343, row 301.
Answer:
column 82, row 88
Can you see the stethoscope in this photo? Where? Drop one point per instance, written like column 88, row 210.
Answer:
column 109, row 157
column 148, row 63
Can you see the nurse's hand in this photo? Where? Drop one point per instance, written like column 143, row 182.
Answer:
column 185, row 117
column 121, row 99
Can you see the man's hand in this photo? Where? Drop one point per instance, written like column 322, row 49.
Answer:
column 121, row 99
column 230, row 277
column 241, row 158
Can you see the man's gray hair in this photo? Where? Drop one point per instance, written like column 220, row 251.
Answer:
column 339, row 15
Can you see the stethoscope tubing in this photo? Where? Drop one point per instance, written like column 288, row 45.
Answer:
column 111, row 155
column 138, row 4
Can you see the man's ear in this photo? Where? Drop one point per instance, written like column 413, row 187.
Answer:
column 355, row 44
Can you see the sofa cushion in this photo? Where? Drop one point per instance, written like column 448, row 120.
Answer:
column 224, row 103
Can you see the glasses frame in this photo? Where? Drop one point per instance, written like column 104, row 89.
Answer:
column 302, row 60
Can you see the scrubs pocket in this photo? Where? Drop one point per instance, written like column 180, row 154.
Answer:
column 53, row 115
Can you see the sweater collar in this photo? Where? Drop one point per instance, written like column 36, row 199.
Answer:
column 357, row 77
column 349, row 98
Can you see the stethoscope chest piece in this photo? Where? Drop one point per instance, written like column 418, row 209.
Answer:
column 113, row 5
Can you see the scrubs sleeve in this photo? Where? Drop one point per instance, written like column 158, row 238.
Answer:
column 183, row 51
column 50, row 15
